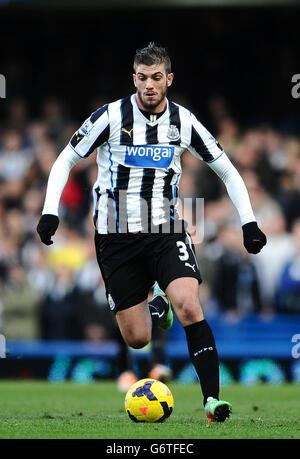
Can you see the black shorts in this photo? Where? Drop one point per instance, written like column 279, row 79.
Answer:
column 131, row 263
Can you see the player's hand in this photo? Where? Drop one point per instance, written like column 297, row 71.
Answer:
column 46, row 227
column 254, row 238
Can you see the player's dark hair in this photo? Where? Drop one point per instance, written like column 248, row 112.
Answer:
column 152, row 54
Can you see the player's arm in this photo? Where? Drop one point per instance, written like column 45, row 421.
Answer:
column 254, row 238
column 93, row 133
column 205, row 147
column 57, row 180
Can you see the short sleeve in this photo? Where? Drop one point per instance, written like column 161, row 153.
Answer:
column 203, row 145
column 92, row 133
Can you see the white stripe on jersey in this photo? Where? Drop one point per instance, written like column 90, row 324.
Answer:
column 101, row 222
column 114, row 115
column 139, row 135
column 133, row 209
column 157, row 202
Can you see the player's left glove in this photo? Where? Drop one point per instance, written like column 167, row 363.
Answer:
column 47, row 227
column 254, row 238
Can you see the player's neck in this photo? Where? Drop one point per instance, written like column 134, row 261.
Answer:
column 152, row 116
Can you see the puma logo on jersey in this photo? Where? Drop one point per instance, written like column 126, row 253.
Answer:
column 190, row 266
column 127, row 132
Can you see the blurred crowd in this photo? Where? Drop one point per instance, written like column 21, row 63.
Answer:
column 57, row 292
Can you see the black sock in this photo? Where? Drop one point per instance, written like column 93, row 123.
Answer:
column 157, row 307
column 204, row 356
column 124, row 360
column 158, row 346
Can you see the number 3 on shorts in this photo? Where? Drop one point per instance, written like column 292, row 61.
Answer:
column 183, row 253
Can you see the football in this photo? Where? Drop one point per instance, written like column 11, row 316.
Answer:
column 149, row 400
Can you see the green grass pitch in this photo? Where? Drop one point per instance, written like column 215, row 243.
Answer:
column 34, row 410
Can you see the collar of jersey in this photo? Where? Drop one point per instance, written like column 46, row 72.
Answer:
column 144, row 118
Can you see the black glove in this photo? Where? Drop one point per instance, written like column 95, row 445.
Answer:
column 46, row 227
column 254, row 238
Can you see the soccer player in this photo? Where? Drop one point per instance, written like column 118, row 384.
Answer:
column 139, row 237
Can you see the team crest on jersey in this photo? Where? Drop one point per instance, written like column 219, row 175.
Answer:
column 173, row 133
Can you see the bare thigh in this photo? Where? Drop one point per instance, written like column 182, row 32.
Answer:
column 135, row 325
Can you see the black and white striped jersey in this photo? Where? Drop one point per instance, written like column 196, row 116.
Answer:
column 139, row 162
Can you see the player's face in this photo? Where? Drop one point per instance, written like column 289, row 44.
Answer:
column 152, row 83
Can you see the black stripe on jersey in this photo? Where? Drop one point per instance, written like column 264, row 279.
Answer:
column 111, row 212
column 168, row 195
column 101, row 139
column 167, row 191
column 94, row 116
column 146, row 196
column 199, row 145
column 95, row 217
column 151, row 134
column 121, row 198
column 75, row 139
column 126, row 135
column 175, row 121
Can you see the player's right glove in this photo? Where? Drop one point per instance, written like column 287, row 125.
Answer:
column 46, row 227
column 254, row 238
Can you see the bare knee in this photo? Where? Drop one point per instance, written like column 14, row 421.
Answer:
column 135, row 325
column 137, row 340
column 189, row 311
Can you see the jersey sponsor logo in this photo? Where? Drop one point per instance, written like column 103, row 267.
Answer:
column 149, row 156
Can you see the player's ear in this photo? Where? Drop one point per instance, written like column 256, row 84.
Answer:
column 134, row 79
column 170, row 78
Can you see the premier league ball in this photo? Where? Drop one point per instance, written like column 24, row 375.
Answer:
column 149, row 400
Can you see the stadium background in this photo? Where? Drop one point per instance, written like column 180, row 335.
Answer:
column 233, row 68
